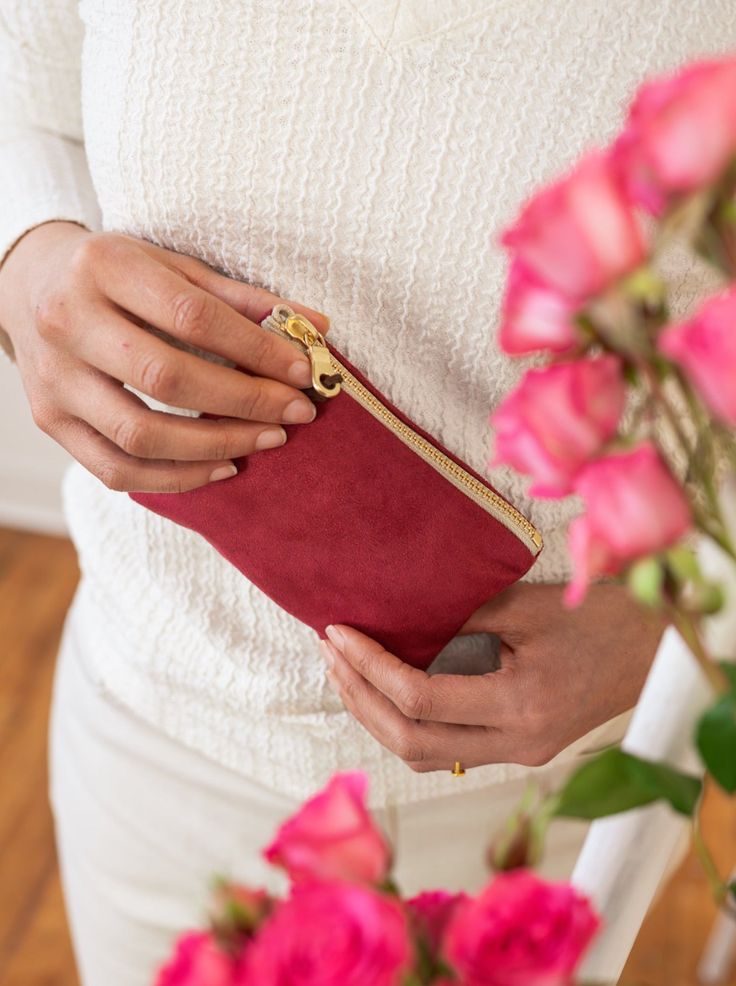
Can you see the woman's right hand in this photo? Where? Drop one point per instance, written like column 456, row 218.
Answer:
column 74, row 304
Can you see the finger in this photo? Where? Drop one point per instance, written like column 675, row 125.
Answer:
column 161, row 296
column 248, row 299
column 422, row 745
column 119, row 471
column 141, row 431
column 180, row 379
column 449, row 698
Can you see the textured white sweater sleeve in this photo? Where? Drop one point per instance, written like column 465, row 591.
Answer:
column 43, row 168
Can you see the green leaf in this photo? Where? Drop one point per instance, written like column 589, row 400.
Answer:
column 716, row 740
column 729, row 669
column 666, row 783
column 616, row 781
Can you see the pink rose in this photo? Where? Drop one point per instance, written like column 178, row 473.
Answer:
column 634, row 507
column 535, row 316
column 333, row 836
column 680, row 134
column 430, row 913
column 557, row 419
column 705, row 348
column 579, row 235
column 520, row 931
column 199, row 961
column 332, row 934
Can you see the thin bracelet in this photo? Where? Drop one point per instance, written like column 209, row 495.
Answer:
column 6, row 347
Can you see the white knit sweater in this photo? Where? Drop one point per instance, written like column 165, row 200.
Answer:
column 360, row 157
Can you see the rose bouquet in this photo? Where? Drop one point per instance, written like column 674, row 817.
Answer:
column 344, row 922
column 633, row 408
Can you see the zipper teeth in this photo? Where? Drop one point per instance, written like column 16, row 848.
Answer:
column 485, row 497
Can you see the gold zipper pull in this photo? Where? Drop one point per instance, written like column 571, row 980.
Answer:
column 325, row 380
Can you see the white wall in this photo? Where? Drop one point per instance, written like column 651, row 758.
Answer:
column 31, row 464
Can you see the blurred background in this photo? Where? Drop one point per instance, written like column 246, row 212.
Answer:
column 38, row 575
column 31, row 464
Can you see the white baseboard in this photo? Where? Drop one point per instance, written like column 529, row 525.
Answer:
column 38, row 519
column 31, row 464
column 30, row 499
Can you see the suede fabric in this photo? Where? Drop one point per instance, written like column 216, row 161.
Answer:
column 346, row 524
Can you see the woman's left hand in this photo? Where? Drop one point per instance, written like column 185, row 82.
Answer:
column 563, row 672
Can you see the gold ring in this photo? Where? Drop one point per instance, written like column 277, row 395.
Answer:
column 458, row 770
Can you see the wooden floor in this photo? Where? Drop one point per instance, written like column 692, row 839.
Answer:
column 37, row 579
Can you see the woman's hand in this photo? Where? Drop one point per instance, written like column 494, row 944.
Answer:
column 562, row 673
column 74, row 304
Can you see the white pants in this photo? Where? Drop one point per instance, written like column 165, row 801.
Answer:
column 142, row 823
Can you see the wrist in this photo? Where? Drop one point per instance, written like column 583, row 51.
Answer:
column 51, row 231
column 19, row 270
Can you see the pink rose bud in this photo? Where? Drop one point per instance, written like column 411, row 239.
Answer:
column 634, row 507
column 680, row 134
column 199, row 961
column 516, row 849
column 430, row 913
column 557, row 419
column 332, row 934
column 237, row 912
column 579, row 235
column 705, row 347
column 520, row 931
column 333, row 836
column 535, row 316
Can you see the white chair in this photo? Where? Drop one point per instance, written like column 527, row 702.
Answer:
column 627, row 857
column 719, row 956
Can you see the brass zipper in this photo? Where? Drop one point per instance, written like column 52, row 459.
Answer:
column 330, row 376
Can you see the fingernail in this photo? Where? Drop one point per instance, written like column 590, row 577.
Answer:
column 270, row 438
column 328, row 652
column 336, row 636
column 300, row 373
column 299, row 411
column 325, row 317
column 223, row 472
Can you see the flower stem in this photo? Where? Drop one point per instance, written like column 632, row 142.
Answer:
column 704, row 524
column 718, row 887
column 705, row 428
column 648, row 373
column 718, row 531
column 689, row 632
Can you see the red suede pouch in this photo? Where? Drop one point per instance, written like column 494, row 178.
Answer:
column 361, row 517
